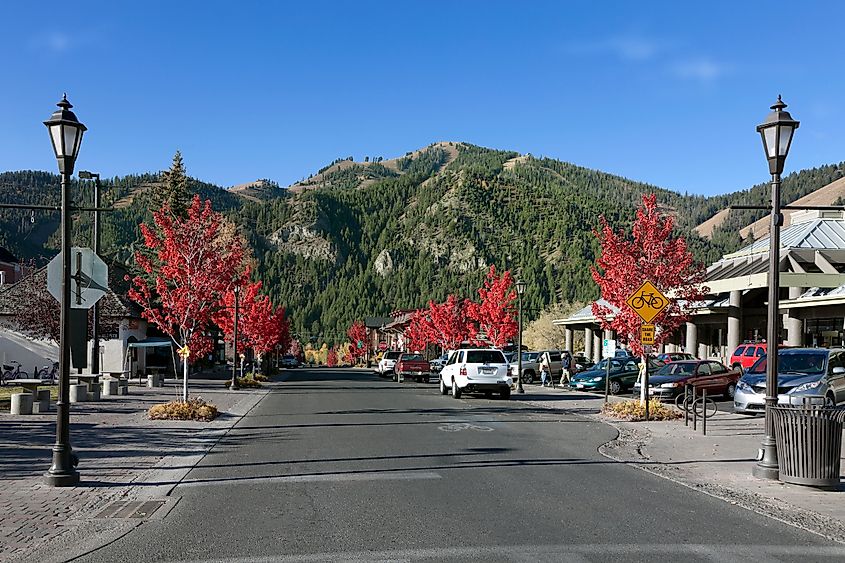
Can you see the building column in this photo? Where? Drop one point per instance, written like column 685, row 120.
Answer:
column 734, row 316
column 692, row 339
column 596, row 347
column 588, row 342
column 794, row 325
column 568, row 338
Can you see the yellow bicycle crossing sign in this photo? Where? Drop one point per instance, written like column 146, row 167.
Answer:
column 647, row 302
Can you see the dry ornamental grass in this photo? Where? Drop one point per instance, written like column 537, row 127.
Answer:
column 194, row 409
column 634, row 411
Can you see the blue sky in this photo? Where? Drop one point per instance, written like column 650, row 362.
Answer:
column 663, row 92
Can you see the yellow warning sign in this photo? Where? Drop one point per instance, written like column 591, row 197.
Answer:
column 647, row 335
column 647, row 302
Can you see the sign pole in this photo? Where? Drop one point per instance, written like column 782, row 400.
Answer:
column 645, row 382
column 607, row 381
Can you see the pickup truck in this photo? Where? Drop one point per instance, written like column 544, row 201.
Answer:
column 411, row 365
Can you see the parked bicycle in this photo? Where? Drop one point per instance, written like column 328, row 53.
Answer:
column 12, row 371
column 47, row 374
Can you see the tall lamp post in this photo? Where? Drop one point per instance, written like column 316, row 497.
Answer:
column 234, row 384
column 777, row 133
column 66, row 135
column 520, row 289
column 95, row 310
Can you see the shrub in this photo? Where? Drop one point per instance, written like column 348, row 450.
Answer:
column 194, row 409
column 634, row 411
column 249, row 381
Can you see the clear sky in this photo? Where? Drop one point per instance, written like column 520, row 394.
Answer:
column 663, row 92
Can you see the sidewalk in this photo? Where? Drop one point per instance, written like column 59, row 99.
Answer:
column 123, row 457
column 718, row 464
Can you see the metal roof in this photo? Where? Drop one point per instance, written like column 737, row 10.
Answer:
column 816, row 234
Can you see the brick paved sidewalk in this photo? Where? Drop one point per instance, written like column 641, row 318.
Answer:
column 123, row 455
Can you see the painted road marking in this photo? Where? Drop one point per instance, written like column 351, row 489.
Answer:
column 460, row 426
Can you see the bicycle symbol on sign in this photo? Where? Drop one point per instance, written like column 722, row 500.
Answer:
column 650, row 299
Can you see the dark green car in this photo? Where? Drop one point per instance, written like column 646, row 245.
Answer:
column 623, row 375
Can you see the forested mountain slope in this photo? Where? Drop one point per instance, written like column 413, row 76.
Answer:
column 362, row 239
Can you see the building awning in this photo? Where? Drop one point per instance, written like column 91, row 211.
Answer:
column 152, row 342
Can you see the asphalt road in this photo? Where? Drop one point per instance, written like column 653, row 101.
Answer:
column 339, row 465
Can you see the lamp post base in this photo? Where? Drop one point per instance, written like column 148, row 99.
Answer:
column 767, row 466
column 62, row 473
column 69, row 479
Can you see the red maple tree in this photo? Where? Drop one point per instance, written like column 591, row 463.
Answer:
column 495, row 314
column 194, row 261
column 295, row 349
column 261, row 326
column 650, row 253
column 331, row 358
column 357, row 334
column 418, row 332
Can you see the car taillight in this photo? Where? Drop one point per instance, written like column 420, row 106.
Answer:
column 464, row 371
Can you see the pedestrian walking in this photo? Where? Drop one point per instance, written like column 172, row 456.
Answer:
column 566, row 367
column 545, row 369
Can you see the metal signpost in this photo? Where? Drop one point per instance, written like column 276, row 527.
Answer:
column 608, row 351
column 647, row 302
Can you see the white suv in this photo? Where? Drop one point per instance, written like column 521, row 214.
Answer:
column 477, row 370
column 388, row 362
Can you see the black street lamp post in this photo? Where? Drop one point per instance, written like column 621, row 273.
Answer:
column 777, row 133
column 95, row 235
column 234, row 384
column 66, row 135
column 520, row 289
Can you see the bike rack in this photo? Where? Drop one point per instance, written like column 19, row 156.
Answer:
column 686, row 405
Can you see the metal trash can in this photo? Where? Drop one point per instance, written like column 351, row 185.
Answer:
column 809, row 443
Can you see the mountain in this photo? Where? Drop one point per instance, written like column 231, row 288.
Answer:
column 359, row 239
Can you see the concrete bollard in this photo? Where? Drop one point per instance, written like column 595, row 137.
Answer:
column 42, row 401
column 110, row 387
column 123, row 387
column 79, row 393
column 153, row 380
column 94, row 392
column 21, row 403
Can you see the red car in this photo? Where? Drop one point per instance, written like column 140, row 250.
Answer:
column 670, row 357
column 411, row 365
column 670, row 380
column 746, row 354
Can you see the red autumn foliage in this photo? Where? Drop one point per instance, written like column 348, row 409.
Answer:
column 295, row 349
column 357, row 333
column 495, row 314
column 261, row 327
column 651, row 253
column 446, row 324
column 331, row 358
column 194, row 262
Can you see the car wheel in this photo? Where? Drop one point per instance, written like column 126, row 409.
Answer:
column 737, row 366
column 829, row 400
column 395, row 377
column 443, row 389
column 731, row 391
column 456, row 391
column 426, row 379
column 615, row 387
column 528, row 377
column 505, row 394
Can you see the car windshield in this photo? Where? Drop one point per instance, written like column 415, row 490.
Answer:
column 392, row 355
column 809, row 363
column 677, row 369
column 485, row 357
column 412, row 358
